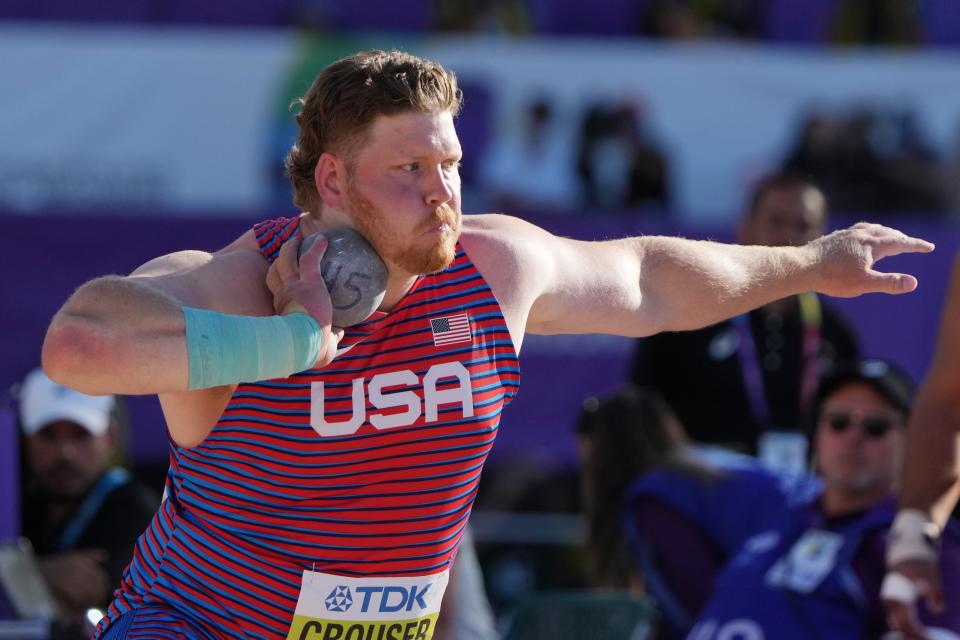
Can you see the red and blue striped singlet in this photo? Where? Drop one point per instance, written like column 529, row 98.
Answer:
column 368, row 467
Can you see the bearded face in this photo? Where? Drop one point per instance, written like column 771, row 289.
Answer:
column 425, row 246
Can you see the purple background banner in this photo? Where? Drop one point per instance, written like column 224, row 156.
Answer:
column 9, row 479
column 47, row 257
column 804, row 21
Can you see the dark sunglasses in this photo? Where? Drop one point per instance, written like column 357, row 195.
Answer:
column 874, row 425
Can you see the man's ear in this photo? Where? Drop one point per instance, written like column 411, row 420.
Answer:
column 330, row 179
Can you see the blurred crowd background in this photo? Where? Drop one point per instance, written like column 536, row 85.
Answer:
column 130, row 128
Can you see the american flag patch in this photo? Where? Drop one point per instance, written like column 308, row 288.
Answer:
column 451, row 329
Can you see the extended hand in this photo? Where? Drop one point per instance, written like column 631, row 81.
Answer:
column 846, row 260
column 294, row 292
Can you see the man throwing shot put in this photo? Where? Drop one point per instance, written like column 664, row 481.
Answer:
column 320, row 478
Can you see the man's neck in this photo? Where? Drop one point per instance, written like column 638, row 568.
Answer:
column 397, row 287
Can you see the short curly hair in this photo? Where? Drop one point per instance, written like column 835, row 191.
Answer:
column 348, row 95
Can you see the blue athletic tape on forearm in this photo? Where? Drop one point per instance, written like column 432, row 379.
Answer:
column 226, row 349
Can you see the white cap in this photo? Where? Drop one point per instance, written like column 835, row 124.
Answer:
column 43, row 401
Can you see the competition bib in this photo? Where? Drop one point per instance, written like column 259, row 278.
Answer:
column 809, row 561
column 380, row 608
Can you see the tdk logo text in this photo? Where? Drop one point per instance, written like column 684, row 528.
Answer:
column 339, row 599
column 392, row 598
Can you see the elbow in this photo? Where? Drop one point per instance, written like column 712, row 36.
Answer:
column 656, row 317
column 70, row 349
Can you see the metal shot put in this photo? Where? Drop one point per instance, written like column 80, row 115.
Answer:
column 353, row 272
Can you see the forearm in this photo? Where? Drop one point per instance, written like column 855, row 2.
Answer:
column 118, row 335
column 931, row 478
column 145, row 335
column 689, row 284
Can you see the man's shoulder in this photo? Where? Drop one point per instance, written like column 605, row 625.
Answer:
column 500, row 235
column 491, row 238
column 508, row 252
column 484, row 223
column 247, row 241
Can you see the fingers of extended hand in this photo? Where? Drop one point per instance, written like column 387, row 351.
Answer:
column 890, row 242
column 891, row 282
column 877, row 242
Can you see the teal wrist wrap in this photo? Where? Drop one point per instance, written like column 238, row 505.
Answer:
column 227, row 349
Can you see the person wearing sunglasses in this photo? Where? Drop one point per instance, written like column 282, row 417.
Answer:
column 861, row 417
column 810, row 565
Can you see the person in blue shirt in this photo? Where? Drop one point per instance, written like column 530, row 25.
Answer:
column 768, row 555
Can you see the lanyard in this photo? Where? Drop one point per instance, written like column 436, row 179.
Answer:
column 810, row 318
column 90, row 506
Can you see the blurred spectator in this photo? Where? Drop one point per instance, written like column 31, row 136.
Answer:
column 913, row 169
column 81, row 513
column 633, row 434
column 860, row 179
column 683, row 19
column 877, row 22
column 532, row 170
column 871, row 22
column 483, row 16
column 619, row 439
column 809, row 565
column 813, row 152
column 620, row 165
column 747, row 382
column 344, row 16
column 741, row 19
column 669, row 19
column 872, row 161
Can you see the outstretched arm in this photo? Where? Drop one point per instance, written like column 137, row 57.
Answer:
column 931, row 477
column 930, row 483
column 639, row 286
